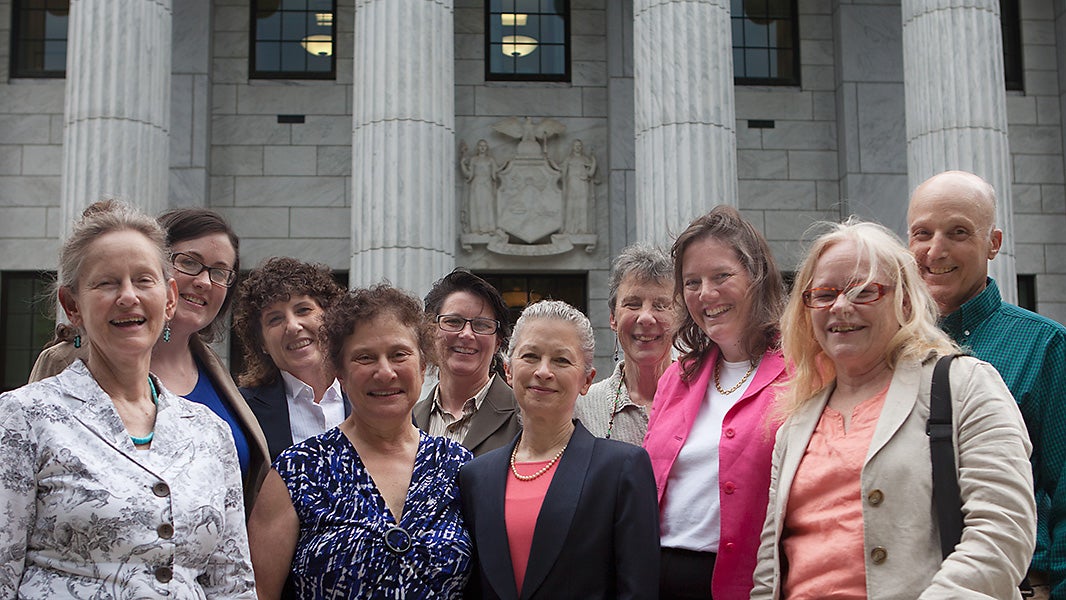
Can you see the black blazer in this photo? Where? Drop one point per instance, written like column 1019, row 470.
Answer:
column 494, row 425
column 271, row 409
column 597, row 534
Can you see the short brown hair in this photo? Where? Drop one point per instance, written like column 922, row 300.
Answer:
column 275, row 280
column 364, row 305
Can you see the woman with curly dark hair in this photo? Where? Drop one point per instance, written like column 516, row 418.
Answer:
column 369, row 508
column 287, row 381
column 711, row 408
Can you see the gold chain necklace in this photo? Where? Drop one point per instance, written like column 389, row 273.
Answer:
column 543, row 470
column 718, row 381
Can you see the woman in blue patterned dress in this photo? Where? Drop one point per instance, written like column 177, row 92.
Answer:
column 369, row 509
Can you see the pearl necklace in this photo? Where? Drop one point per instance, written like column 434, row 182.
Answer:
column 543, row 470
column 718, row 381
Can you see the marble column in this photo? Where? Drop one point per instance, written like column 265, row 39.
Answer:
column 403, row 143
column 117, row 120
column 685, row 118
column 956, row 105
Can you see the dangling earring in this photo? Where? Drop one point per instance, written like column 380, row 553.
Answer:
column 166, row 332
column 77, row 341
column 616, row 349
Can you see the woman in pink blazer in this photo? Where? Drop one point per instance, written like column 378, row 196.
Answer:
column 709, row 436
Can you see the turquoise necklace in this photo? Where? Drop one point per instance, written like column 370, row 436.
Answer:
column 140, row 441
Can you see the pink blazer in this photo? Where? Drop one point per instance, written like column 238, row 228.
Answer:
column 744, row 456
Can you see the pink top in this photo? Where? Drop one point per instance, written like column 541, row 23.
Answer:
column 522, row 504
column 745, row 451
column 822, row 536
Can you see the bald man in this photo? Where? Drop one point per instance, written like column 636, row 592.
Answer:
column 951, row 231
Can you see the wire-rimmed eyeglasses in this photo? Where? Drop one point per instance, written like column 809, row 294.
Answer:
column 185, row 263
column 479, row 325
column 824, row 297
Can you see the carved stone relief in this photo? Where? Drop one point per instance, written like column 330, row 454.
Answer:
column 532, row 205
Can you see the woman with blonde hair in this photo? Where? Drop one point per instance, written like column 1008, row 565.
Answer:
column 850, row 512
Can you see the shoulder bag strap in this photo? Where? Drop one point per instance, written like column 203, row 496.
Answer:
column 946, row 497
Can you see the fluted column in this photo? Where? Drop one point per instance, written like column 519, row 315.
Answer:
column 117, row 119
column 685, row 115
column 956, row 105
column 403, row 167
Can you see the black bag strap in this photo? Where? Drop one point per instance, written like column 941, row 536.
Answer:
column 946, row 497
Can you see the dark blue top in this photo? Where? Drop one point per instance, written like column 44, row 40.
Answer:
column 342, row 551
column 206, row 394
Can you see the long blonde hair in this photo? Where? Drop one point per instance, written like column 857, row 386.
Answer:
column 811, row 369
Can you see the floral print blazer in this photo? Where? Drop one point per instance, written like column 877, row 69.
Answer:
column 84, row 514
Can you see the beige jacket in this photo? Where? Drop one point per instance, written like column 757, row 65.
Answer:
column 901, row 542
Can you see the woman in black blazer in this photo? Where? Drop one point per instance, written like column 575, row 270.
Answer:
column 559, row 513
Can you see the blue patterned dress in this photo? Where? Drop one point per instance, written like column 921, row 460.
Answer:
column 342, row 552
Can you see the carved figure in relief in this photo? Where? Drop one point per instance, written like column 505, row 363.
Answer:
column 578, row 169
column 481, row 172
column 529, row 133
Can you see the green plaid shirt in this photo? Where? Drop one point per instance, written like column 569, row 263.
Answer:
column 1029, row 351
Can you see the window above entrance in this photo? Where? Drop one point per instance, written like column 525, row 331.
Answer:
column 293, row 39
column 527, row 40
column 39, row 34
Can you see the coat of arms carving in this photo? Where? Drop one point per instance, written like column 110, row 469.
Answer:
column 531, row 205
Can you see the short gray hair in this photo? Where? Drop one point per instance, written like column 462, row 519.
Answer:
column 644, row 263
column 559, row 310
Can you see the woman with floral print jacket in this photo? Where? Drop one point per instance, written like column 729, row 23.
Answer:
column 110, row 485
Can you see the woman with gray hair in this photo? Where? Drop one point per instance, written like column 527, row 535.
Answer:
column 644, row 319
column 589, row 503
column 851, row 498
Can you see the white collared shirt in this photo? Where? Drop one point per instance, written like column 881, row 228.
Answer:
column 306, row 418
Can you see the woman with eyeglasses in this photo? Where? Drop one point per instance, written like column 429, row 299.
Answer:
column 471, row 404
column 708, row 434
column 851, row 500
column 205, row 255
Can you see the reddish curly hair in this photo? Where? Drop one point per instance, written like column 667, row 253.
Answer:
column 364, row 305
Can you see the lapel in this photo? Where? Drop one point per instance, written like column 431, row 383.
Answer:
column 493, row 549
column 97, row 413
column 899, row 402
column 272, row 411
column 496, row 409
column 771, row 365
column 223, row 382
column 557, row 512
column 420, row 414
column 797, row 433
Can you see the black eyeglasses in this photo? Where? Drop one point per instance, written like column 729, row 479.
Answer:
column 824, row 297
column 479, row 325
column 190, row 266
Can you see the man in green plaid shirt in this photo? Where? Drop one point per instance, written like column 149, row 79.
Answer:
column 952, row 235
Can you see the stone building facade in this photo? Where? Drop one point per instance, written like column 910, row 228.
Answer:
column 361, row 170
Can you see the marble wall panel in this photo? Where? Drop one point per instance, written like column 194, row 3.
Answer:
column 290, row 160
column 23, row 222
column 873, row 37
column 289, row 191
column 320, row 222
column 42, row 160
